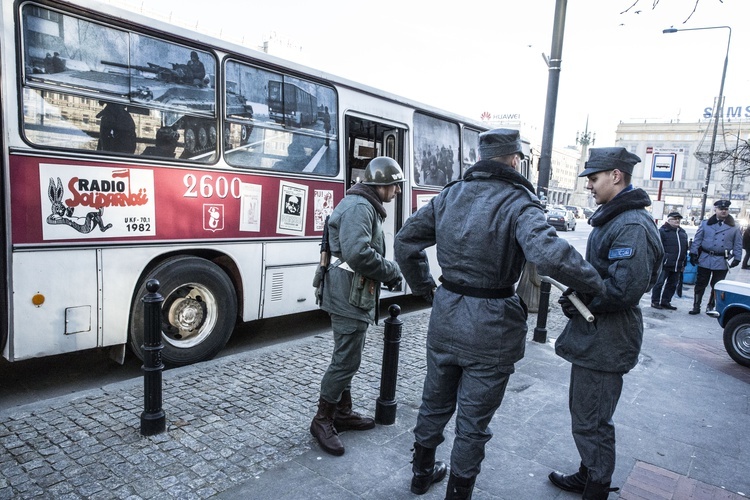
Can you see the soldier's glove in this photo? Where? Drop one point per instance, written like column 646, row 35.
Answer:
column 568, row 308
column 734, row 263
column 394, row 284
column 694, row 259
column 429, row 295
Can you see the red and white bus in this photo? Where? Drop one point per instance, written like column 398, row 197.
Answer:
column 133, row 150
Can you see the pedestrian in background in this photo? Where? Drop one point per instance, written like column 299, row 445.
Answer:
column 486, row 226
column 717, row 239
column 746, row 247
column 675, row 243
column 625, row 248
column 351, row 294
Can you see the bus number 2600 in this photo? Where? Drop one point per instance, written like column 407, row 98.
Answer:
column 207, row 186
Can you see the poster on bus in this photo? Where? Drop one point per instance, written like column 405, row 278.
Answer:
column 292, row 209
column 96, row 202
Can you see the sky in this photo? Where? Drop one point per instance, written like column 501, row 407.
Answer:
column 478, row 56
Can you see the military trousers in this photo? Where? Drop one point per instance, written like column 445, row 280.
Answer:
column 592, row 399
column 474, row 391
column 348, row 343
column 704, row 276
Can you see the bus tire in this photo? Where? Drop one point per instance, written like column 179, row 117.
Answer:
column 191, row 140
column 737, row 339
column 198, row 314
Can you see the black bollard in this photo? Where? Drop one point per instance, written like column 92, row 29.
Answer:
column 540, row 332
column 385, row 406
column 153, row 419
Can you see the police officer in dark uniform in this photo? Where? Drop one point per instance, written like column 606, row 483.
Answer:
column 716, row 240
column 351, row 292
column 625, row 248
column 485, row 226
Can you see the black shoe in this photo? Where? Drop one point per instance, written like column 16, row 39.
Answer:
column 426, row 470
column 668, row 306
column 656, row 306
column 570, row 482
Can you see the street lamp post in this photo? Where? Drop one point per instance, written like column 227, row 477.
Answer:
column 717, row 109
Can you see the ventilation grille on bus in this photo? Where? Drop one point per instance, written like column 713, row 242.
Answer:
column 277, row 286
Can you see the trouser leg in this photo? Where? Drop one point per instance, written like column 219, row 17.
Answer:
column 480, row 393
column 715, row 278
column 349, row 340
column 656, row 292
column 670, row 286
column 438, row 398
column 593, row 399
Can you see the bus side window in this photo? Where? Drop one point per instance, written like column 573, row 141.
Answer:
column 280, row 122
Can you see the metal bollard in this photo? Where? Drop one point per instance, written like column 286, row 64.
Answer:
column 153, row 419
column 540, row 331
column 385, row 406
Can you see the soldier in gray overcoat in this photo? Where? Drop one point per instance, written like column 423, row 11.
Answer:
column 351, row 292
column 485, row 226
column 717, row 239
column 626, row 250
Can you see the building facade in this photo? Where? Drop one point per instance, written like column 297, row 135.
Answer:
column 684, row 192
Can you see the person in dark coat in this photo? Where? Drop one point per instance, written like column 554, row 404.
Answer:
column 746, row 247
column 625, row 248
column 351, row 292
column 485, row 227
column 717, row 239
column 674, row 240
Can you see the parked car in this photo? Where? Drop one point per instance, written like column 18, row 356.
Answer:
column 588, row 212
column 733, row 306
column 576, row 211
column 561, row 219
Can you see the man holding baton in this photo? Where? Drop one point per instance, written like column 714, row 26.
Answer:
column 625, row 248
column 485, row 227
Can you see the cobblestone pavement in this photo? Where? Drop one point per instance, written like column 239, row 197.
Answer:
column 227, row 420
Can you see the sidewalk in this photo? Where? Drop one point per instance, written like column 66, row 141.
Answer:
column 238, row 427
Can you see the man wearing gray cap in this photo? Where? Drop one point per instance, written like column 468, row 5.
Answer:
column 486, row 226
column 716, row 240
column 625, row 248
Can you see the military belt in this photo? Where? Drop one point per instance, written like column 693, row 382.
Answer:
column 480, row 293
column 709, row 252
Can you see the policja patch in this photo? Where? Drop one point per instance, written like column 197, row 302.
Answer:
column 620, row 253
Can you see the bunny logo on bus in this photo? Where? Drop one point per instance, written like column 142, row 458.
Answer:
column 64, row 215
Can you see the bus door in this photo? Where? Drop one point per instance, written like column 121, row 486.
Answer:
column 367, row 139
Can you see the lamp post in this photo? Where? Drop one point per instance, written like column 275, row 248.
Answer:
column 717, row 109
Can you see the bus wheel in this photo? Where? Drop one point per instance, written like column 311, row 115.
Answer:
column 198, row 314
column 245, row 134
column 212, row 135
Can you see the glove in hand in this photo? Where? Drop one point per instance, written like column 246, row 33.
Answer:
column 694, row 259
column 568, row 309
column 394, row 284
column 734, row 263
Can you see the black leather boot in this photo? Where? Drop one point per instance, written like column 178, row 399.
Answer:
column 597, row 491
column 711, row 307
column 459, row 488
column 426, row 470
column 324, row 431
column 571, row 482
column 696, row 304
column 345, row 419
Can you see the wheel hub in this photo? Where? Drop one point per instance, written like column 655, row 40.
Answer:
column 186, row 314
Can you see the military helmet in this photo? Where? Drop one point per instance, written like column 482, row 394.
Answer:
column 383, row 171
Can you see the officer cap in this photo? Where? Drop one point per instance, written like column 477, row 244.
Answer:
column 603, row 159
column 722, row 204
column 674, row 215
column 499, row 142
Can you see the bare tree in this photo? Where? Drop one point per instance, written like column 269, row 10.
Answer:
column 654, row 3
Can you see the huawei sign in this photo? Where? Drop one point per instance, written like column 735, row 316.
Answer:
column 486, row 116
